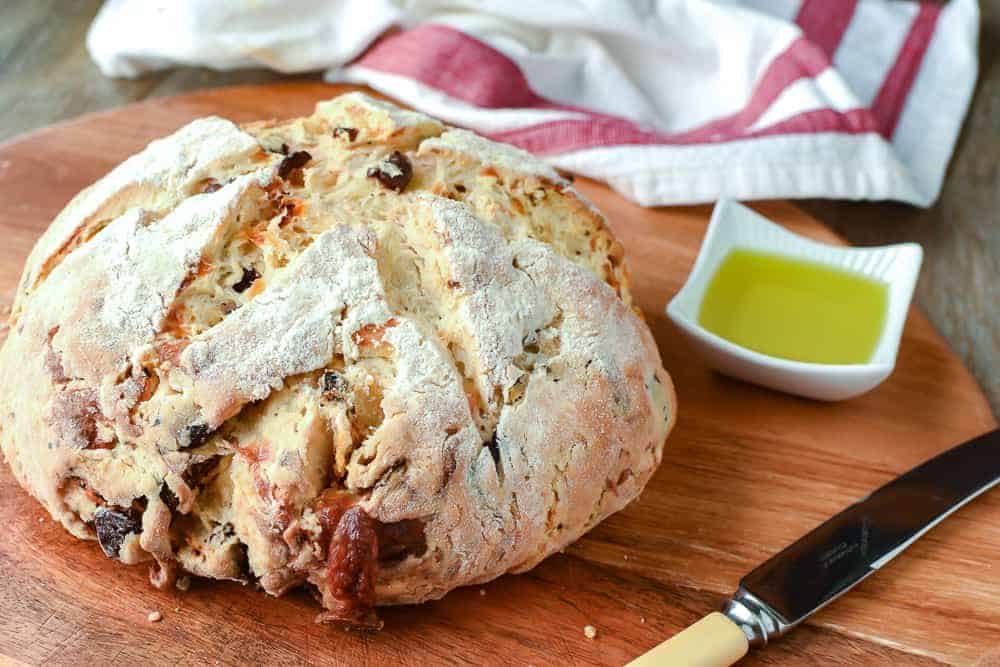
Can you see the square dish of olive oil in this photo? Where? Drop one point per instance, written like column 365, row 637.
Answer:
column 794, row 308
column 766, row 305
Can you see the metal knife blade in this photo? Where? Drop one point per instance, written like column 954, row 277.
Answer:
column 827, row 562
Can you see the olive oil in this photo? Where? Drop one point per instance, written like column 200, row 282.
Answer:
column 795, row 309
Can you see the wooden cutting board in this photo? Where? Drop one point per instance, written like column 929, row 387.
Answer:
column 746, row 472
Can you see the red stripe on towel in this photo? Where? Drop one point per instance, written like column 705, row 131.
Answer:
column 824, row 22
column 469, row 70
column 896, row 87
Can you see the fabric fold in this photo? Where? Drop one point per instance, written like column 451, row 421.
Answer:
column 670, row 101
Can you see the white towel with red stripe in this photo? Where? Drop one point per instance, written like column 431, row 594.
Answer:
column 668, row 101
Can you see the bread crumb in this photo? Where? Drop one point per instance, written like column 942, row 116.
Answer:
column 589, row 631
column 482, row 591
column 642, row 619
column 183, row 583
column 154, row 617
column 177, row 610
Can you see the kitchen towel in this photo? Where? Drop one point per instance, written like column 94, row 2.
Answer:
column 668, row 101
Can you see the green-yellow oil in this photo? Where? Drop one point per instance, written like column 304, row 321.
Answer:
column 795, row 309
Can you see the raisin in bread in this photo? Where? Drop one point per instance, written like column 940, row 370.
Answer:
column 360, row 351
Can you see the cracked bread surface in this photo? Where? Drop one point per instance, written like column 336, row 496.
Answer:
column 359, row 351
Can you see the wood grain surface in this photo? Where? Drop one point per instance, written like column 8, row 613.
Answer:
column 746, row 472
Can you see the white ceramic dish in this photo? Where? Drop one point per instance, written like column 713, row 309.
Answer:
column 736, row 226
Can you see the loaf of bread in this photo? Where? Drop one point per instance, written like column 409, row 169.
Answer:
column 358, row 351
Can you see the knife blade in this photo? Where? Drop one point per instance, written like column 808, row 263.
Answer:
column 831, row 559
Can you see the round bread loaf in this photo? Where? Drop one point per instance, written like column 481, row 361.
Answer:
column 360, row 351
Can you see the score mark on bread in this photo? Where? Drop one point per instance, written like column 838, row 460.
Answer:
column 358, row 351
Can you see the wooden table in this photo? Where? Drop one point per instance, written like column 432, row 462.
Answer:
column 46, row 76
column 746, row 471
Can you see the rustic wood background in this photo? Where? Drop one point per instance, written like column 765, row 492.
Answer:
column 46, row 76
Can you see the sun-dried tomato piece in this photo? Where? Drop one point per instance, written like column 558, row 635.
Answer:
column 197, row 435
column 296, row 160
column 351, row 567
column 199, row 474
column 494, row 449
column 168, row 497
column 356, row 546
column 394, row 172
column 113, row 524
column 329, row 507
column 350, row 132
column 246, row 280
column 150, row 382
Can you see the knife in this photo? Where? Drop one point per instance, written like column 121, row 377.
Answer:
column 827, row 562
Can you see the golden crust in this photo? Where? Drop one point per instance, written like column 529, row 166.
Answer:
column 234, row 341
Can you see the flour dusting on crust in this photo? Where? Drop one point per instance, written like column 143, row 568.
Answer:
column 357, row 351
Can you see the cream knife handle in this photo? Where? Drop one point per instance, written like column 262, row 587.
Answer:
column 714, row 641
